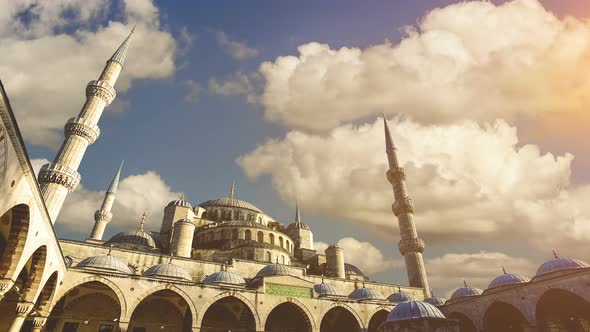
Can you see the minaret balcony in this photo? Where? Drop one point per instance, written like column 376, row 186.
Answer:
column 101, row 215
column 403, row 206
column 76, row 126
column 102, row 90
column 411, row 245
column 59, row 174
column 396, row 175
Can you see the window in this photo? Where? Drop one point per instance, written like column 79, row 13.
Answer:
column 260, row 236
column 272, row 238
column 281, row 241
column 288, row 245
column 268, row 258
column 70, row 327
column 283, row 259
column 105, row 328
column 248, row 234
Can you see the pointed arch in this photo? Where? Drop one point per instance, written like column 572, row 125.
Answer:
column 48, row 291
column 465, row 323
column 228, row 295
column 178, row 291
column 309, row 319
column 378, row 317
column 15, row 221
column 37, row 268
column 335, row 315
column 561, row 310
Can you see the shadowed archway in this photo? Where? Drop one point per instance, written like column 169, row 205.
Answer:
column 465, row 324
column 338, row 319
column 560, row 311
column 164, row 310
column 287, row 317
column 504, row 317
column 14, row 227
column 228, row 314
column 378, row 318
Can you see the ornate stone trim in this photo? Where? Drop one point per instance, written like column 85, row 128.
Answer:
column 23, row 308
column 102, row 90
column 411, row 245
column 403, row 206
column 396, row 175
column 76, row 126
column 59, row 174
column 100, row 215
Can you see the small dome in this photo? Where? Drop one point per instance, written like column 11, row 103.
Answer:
column 361, row 294
column 167, row 270
column 465, row 292
column 399, row 297
column 324, row 289
column 298, row 225
column 508, row 279
column 436, row 301
column 224, row 277
column 560, row 264
column 274, row 270
column 137, row 237
column 180, row 202
column 414, row 310
column 105, row 262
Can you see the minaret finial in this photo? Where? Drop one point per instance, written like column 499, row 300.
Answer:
column 554, row 254
column 121, row 52
column 142, row 222
column 232, row 190
column 503, row 269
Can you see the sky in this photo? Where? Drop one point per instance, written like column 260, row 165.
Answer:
column 487, row 102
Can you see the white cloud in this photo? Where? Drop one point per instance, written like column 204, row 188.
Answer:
column 477, row 269
column 45, row 66
column 235, row 84
column 137, row 193
column 193, row 91
column 356, row 253
column 470, row 60
column 466, row 180
column 238, row 50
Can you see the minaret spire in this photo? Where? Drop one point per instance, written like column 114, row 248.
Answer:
column 60, row 177
column 297, row 214
column 104, row 214
column 232, row 190
column 410, row 246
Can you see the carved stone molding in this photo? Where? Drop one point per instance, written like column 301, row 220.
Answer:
column 100, row 215
column 411, row 245
column 23, row 308
column 403, row 206
column 76, row 126
column 59, row 174
column 396, row 175
column 39, row 321
column 102, row 90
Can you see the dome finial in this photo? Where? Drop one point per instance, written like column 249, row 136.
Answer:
column 464, row 282
column 363, row 284
column 322, row 278
column 142, row 222
column 171, row 256
column 399, row 289
column 503, row 269
column 182, row 196
column 232, row 190
column 554, row 254
column 277, row 260
column 110, row 249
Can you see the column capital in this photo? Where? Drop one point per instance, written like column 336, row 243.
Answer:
column 39, row 321
column 24, row 308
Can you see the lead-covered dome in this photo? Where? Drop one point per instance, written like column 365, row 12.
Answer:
column 275, row 269
column 436, row 301
column 560, row 264
column 399, row 296
column 324, row 289
column 466, row 292
column 508, row 279
column 105, row 262
column 224, row 278
column 350, row 269
column 362, row 294
column 137, row 237
column 414, row 310
column 167, row 271
column 230, row 202
column 180, row 202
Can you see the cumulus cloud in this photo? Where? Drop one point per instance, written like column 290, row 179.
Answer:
column 75, row 38
column 465, row 179
column 470, row 60
column 137, row 193
column 193, row 91
column 236, row 84
column 356, row 253
column 237, row 50
column 477, row 269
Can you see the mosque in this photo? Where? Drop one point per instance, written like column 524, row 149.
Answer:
column 226, row 265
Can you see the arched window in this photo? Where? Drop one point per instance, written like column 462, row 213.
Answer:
column 234, row 234
column 248, row 234
column 268, row 257
column 283, row 259
column 288, row 245
column 260, row 220
column 260, row 236
column 204, row 215
column 281, row 241
column 236, row 215
column 272, row 238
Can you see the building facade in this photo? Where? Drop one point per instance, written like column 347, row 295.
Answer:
column 226, row 265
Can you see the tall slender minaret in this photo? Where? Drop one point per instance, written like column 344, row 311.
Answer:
column 59, row 178
column 410, row 245
column 104, row 214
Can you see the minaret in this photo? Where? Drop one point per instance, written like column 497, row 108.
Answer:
column 410, row 245
column 59, row 178
column 104, row 215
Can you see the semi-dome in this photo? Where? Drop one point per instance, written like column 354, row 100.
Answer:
column 560, row 264
column 168, row 271
column 350, row 269
column 508, row 279
column 399, row 296
column 361, row 294
column 136, row 237
column 105, row 262
column 465, row 292
column 275, row 269
column 436, row 301
column 324, row 289
column 224, row 277
column 414, row 310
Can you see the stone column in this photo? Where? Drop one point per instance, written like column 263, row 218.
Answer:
column 38, row 323
column 22, row 311
column 123, row 326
